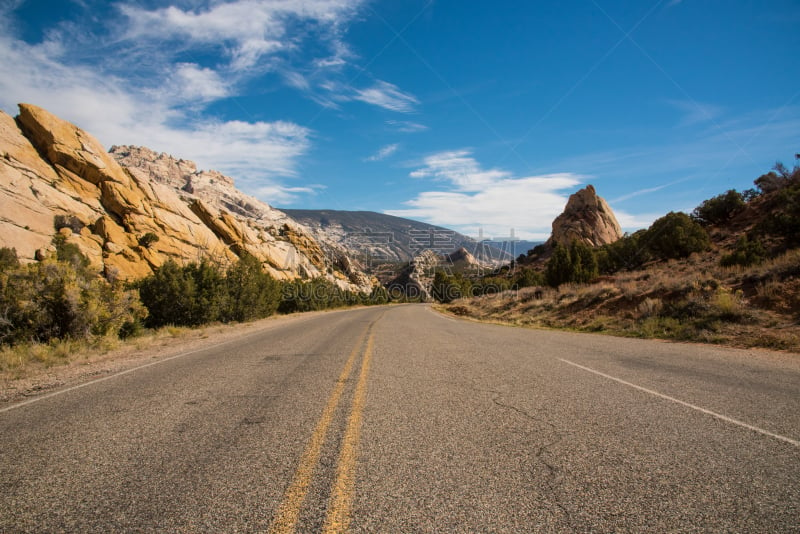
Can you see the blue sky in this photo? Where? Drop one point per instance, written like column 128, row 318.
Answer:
column 463, row 113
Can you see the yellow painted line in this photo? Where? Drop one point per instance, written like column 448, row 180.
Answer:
column 289, row 511
column 338, row 519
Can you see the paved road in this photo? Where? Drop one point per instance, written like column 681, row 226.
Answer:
column 396, row 419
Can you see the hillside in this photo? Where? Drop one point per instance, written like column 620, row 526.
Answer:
column 130, row 215
column 729, row 274
column 377, row 238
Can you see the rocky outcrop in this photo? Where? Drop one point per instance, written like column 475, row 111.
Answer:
column 461, row 259
column 415, row 280
column 130, row 219
column 586, row 218
column 242, row 222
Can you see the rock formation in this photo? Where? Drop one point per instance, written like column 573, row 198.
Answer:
column 415, row 280
column 587, row 218
column 461, row 259
column 130, row 218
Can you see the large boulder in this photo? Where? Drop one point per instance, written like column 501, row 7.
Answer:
column 586, row 218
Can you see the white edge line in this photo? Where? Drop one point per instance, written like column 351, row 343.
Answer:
column 126, row 371
column 688, row 405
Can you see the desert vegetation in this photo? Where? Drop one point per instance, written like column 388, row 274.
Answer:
column 728, row 273
column 54, row 309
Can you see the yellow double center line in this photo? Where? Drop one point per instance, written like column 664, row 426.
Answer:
column 338, row 516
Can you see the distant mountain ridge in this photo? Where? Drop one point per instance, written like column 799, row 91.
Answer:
column 376, row 237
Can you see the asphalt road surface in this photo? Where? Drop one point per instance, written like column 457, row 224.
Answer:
column 397, row 419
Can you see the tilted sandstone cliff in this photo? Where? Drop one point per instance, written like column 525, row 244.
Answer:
column 214, row 198
column 128, row 222
column 586, row 218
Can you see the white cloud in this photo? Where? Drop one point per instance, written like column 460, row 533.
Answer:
column 248, row 29
column 280, row 195
column 406, row 126
column 194, row 83
column 493, row 200
column 296, row 80
column 387, row 96
column 256, row 154
column 128, row 81
column 459, row 168
column 632, row 222
column 259, row 36
column 384, row 152
column 329, row 62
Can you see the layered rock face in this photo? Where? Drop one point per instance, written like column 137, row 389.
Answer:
column 586, row 218
column 210, row 192
column 461, row 259
column 416, row 278
column 129, row 220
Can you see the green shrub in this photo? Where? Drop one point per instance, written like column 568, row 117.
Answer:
column 720, row 208
column 252, row 293
column 783, row 214
column 8, row 258
column 69, row 253
column 628, row 252
column 169, row 296
column 211, row 295
column 489, row 285
column 379, row 295
column 675, row 235
column 574, row 264
column 528, row 278
column 55, row 300
column 148, row 239
column 559, row 267
column 748, row 252
column 68, row 221
column 538, row 250
column 200, row 293
column 584, row 262
column 447, row 288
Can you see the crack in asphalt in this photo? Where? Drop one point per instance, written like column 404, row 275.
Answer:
column 552, row 480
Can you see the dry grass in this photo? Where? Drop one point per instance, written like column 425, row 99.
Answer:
column 24, row 360
column 689, row 300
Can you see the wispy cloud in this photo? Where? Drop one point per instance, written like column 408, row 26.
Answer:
column 384, row 152
column 129, row 81
column 246, row 30
column 713, row 156
column 406, row 126
column 630, row 222
column 693, row 113
column 387, row 96
column 460, row 169
column 255, row 153
column 645, row 191
column 490, row 199
column 280, row 195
